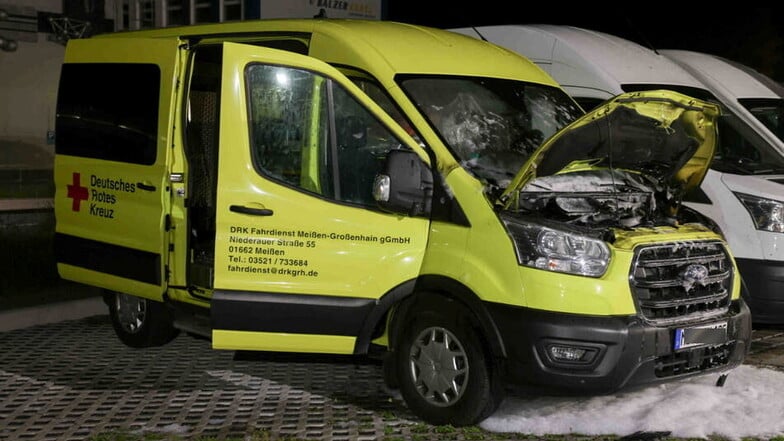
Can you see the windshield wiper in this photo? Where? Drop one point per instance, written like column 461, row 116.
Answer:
column 770, row 171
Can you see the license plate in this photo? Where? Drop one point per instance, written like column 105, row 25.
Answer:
column 705, row 335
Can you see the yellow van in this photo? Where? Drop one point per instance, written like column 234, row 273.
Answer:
column 393, row 191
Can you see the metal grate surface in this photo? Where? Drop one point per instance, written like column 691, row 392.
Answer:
column 73, row 380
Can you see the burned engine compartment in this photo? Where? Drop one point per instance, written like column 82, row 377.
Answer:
column 618, row 170
column 594, row 198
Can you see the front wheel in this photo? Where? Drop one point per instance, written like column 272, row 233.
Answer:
column 139, row 322
column 444, row 374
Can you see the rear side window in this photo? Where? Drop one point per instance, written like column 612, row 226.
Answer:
column 108, row 111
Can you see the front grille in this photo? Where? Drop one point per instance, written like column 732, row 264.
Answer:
column 681, row 281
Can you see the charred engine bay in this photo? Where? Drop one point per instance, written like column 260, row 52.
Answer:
column 620, row 171
column 597, row 198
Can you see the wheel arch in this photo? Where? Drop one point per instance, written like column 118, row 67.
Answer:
column 379, row 314
column 443, row 293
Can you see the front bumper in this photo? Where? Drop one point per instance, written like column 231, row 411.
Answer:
column 763, row 289
column 622, row 352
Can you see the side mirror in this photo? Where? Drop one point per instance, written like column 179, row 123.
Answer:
column 405, row 186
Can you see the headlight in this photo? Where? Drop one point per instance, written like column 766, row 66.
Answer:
column 553, row 250
column 767, row 214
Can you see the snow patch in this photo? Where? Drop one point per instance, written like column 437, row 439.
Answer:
column 749, row 405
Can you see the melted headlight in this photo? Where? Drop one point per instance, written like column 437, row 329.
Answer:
column 553, row 250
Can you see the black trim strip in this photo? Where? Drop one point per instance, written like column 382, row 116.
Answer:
column 370, row 328
column 103, row 257
column 290, row 313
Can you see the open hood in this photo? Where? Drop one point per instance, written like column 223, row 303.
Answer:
column 631, row 158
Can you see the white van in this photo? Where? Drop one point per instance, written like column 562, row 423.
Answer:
column 742, row 192
column 591, row 66
column 752, row 171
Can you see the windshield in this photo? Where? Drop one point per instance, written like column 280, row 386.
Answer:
column 742, row 151
column 491, row 125
column 769, row 112
column 374, row 91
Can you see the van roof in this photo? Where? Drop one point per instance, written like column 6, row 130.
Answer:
column 587, row 58
column 725, row 78
column 373, row 45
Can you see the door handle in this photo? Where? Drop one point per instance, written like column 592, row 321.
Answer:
column 145, row 187
column 249, row 210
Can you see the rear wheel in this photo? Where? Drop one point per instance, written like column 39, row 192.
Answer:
column 443, row 372
column 139, row 322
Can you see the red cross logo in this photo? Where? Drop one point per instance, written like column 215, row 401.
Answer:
column 77, row 192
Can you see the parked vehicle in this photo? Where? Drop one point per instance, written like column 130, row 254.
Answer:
column 591, row 66
column 742, row 191
column 352, row 187
column 753, row 171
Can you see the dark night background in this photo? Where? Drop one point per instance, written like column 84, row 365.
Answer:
column 752, row 36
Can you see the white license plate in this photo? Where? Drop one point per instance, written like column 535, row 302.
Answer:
column 704, row 335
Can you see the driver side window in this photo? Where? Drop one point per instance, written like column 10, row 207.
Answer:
column 309, row 133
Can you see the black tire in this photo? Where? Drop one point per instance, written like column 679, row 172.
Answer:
column 441, row 394
column 139, row 322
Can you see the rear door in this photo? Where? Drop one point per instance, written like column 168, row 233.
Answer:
column 302, row 252
column 113, row 127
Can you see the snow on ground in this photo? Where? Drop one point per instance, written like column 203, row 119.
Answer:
column 751, row 403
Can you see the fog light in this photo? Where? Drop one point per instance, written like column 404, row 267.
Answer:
column 565, row 353
column 570, row 354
